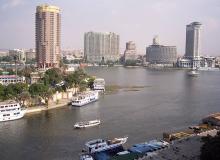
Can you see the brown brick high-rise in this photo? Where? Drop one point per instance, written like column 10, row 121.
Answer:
column 48, row 24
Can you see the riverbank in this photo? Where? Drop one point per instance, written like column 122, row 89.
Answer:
column 61, row 103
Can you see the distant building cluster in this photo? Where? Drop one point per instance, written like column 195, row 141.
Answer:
column 18, row 54
column 71, row 55
column 101, row 47
column 159, row 54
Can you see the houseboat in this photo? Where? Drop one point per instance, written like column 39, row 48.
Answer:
column 85, row 98
column 10, row 110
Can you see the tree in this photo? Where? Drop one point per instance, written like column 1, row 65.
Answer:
column 53, row 76
column 47, row 95
column 37, row 89
column 26, row 72
column 82, row 86
column 23, row 97
column 2, row 93
column 91, row 82
column 9, row 92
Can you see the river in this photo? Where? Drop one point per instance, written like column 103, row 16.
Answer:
column 170, row 101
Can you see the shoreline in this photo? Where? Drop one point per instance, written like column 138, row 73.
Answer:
column 37, row 109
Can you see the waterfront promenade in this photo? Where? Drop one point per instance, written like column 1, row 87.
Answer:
column 52, row 105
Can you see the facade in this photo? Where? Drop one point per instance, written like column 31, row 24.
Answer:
column 101, row 47
column 8, row 79
column 193, row 40
column 48, row 28
column 30, row 54
column 19, row 53
column 207, row 62
column 130, row 51
column 159, row 54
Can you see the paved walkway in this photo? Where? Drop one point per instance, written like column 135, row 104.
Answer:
column 53, row 105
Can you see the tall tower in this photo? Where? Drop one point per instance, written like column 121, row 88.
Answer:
column 193, row 44
column 48, row 25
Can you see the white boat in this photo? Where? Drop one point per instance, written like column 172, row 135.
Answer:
column 85, row 98
column 10, row 110
column 93, row 123
column 86, row 157
column 99, row 84
column 99, row 145
column 193, row 73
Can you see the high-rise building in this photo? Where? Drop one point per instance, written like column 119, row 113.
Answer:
column 101, row 47
column 192, row 58
column 130, row 51
column 160, row 54
column 48, row 26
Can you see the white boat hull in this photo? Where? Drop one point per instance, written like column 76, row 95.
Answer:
column 84, row 99
column 101, row 146
column 12, row 117
column 86, row 125
column 83, row 103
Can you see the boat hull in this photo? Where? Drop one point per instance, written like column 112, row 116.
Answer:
column 13, row 117
column 84, row 103
column 77, row 126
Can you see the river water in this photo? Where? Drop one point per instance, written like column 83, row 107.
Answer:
column 170, row 101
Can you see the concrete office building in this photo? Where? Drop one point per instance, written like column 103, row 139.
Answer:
column 48, row 26
column 101, row 47
column 159, row 54
column 130, row 51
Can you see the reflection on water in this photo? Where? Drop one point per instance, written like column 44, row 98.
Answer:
column 174, row 101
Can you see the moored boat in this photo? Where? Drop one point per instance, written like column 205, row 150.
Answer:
column 92, row 123
column 10, row 110
column 86, row 157
column 85, row 98
column 99, row 145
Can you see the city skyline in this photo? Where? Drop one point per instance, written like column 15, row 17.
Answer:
column 169, row 21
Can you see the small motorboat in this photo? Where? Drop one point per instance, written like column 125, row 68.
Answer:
column 92, row 123
column 193, row 73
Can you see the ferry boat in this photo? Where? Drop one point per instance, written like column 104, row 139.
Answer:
column 99, row 145
column 10, row 110
column 86, row 157
column 85, row 98
column 93, row 123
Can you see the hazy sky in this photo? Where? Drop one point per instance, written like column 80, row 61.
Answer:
column 136, row 20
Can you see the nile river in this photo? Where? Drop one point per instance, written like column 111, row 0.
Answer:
column 170, row 101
